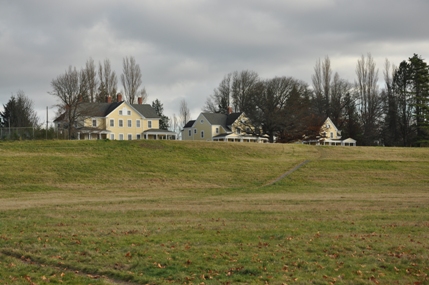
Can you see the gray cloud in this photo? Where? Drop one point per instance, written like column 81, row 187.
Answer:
column 185, row 47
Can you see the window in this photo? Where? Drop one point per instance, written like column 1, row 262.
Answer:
column 138, row 136
column 130, row 137
column 120, row 112
column 190, row 133
column 237, row 130
column 195, row 131
column 112, row 122
column 121, row 137
column 217, row 130
column 94, row 122
column 138, row 123
column 129, row 113
column 202, row 121
column 202, row 134
column 332, row 135
column 112, row 137
column 149, row 124
column 121, row 123
column 129, row 123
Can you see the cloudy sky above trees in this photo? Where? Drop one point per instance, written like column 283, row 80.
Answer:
column 185, row 47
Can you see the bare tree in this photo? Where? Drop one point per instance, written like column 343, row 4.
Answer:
column 143, row 95
column 174, row 126
column 219, row 101
column 91, row 77
column 68, row 89
column 369, row 100
column 322, row 84
column 131, row 78
column 108, row 81
column 184, row 113
column 244, row 83
column 338, row 91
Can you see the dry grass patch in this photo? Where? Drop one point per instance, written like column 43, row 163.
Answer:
column 158, row 212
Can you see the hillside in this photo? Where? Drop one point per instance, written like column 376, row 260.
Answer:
column 160, row 212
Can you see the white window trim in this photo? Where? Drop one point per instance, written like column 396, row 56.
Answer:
column 217, row 130
column 119, row 137
column 94, row 120
column 120, row 112
column 138, row 137
column 128, row 137
column 112, row 137
column 129, row 123
column 111, row 121
column 189, row 133
column 149, row 124
column 128, row 113
column 138, row 123
column 119, row 123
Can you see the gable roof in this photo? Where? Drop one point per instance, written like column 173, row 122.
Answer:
column 189, row 124
column 97, row 109
column 221, row 119
column 146, row 110
column 104, row 109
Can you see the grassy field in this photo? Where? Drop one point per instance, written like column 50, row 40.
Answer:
column 158, row 212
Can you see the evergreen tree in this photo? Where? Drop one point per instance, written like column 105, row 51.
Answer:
column 419, row 76
column 19, row 112
column 159, row 108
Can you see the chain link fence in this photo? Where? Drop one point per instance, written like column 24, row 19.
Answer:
column 30, row 133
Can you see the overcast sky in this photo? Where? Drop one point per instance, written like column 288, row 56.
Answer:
column 185, row 47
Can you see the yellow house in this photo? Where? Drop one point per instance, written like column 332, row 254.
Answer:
column 330, row 135
column 119, row 121
column 231, row 127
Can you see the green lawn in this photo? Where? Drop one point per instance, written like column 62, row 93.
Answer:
column 159, row 212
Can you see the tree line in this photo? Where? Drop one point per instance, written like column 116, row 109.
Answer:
column 287, row 109
column 284, row 108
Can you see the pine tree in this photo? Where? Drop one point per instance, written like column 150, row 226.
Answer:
column 159, row 109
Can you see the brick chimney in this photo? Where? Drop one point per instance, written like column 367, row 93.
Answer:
column 109, row 99
column 119, row 97
column 229, row 110
column 140, row 100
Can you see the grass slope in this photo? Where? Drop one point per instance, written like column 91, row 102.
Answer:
column 158, row 212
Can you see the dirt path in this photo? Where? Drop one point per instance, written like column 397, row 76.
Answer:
column 287, row 173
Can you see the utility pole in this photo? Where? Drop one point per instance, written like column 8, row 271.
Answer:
column 46, row 122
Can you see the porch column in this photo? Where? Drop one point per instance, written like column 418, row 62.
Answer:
column 78, row 136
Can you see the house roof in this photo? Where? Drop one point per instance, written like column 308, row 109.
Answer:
column 189, row 124
column 231, row 118
column 221, row 119
column 104, row 109
column 97, row 109
column 146, row 110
